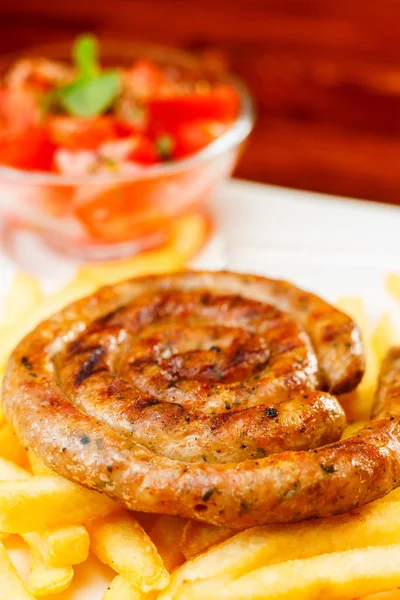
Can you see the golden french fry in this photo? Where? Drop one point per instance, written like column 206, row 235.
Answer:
column 370, row 525
column 354, row 307
column 12, row 333
column 75, row 289
column 19, row 305
column 330, row 576
column 393, row 284
column 157, row 261
column 120, row 542
column 166, row 535
column 62, row 547
column 384, row 336
column 46, row 502
column 199, row 537
column 392, row 595
column 10, row 447
column 188, row 236
column 37, row 465
column 11, row 586
column 24, row 295
column 9, row 338
column 9, row 470
column 353, row 428
column 121, row 589
column 2, row 416
column 43, row 579
column 146, row 520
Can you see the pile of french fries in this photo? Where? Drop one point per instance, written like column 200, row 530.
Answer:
column 348, row 556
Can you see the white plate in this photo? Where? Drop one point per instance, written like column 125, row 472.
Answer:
column 331, row 246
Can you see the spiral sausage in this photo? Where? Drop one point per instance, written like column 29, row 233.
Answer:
column 199, row 394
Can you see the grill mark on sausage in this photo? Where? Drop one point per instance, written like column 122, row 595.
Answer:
column 90, row 365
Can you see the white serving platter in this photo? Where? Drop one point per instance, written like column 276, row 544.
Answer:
column 331, row 246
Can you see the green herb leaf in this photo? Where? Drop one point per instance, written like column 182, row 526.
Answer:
column 91, row 97
column 165, row 145
column 85, row 53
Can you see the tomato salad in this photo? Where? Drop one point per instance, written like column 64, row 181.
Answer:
column 93, row 154
column 82, row 119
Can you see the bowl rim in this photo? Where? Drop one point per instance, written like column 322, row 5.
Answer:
column 232, row 137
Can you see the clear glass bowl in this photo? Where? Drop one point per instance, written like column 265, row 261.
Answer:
column 73, row 214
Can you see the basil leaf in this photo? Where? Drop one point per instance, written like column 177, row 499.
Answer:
column 92, row 97
column 85, row 53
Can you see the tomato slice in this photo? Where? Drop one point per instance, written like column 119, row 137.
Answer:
column 138, row 149
column 145, row 152
column 24, row 144
column 18, row 111
column 81, row 134
column 145, row 79
column 192, row 136
column 30, row 149
column 121, row 213
column 220, row 104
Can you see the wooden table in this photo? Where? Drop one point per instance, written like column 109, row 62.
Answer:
column 325, row 75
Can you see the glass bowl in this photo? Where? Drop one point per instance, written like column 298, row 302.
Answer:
column 83, row 216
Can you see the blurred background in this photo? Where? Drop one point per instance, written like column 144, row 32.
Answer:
column 325, row 75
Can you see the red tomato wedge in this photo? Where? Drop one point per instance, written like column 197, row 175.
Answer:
column 145, row 152
column 192, row 136
column 121, row 213
column 81, row 134
column 31, row 150
column 24, row 144
column 220, row 104
column 145, row 79
column 18, row 111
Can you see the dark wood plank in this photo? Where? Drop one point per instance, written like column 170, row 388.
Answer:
column 325, row 75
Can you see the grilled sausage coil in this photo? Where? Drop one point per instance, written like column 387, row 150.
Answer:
column 203, row 394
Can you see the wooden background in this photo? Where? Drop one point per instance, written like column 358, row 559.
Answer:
column 325, row 75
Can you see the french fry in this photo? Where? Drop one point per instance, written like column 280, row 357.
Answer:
column 24, row 295
column 37, row 465
column 75, row 289
column 62, row 547
column 12, row 333
column 371, row 525
column 19, row 305
column 121, row 589
column 188, row 236
column 9, row 338
column 9, row 470
column 352, row 428
column 199, row 537
column 47, row 502
column 393, row 285
column 10, row 447
column 392, row 595
column 166, row 535
column 330, row 576
column 120, row 542
column 43, row 579
column 354, row 307
column 152, row 262
column 384, row 336
column 11, row 586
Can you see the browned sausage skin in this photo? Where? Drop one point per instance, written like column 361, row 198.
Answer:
column 195, row 394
